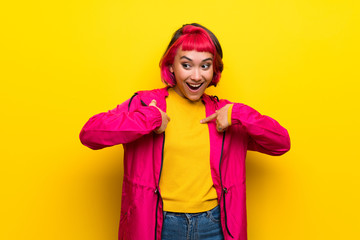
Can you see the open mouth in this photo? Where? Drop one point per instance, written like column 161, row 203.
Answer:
column 194, row 87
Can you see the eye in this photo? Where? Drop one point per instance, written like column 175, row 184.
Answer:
column 185, row 65
column 206, row 66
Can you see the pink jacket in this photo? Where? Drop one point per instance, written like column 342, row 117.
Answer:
column 132, row 123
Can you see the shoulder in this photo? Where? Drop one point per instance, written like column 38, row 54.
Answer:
column 144, row 97
column 154, row 93
column 213, row 99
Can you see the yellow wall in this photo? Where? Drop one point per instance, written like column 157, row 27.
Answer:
column 64, row 61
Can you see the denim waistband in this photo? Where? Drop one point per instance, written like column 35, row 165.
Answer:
column 190, row 215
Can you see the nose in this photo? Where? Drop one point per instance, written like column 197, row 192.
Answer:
column 196, row 75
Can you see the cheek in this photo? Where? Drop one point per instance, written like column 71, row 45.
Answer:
column 210, row 75
column 180, row 75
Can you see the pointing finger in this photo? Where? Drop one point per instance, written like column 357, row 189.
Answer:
column 153, row 103
column 209, row 118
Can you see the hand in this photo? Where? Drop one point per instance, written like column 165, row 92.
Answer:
column 164, row 118
column 221, row 117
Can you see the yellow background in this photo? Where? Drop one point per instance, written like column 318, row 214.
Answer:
column 64, row 61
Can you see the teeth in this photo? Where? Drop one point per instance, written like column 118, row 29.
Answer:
column 195, row 85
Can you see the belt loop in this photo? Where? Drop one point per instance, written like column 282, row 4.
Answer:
column 188, row 217
column 208, row 213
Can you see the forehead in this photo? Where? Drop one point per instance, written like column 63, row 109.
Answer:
column 193, row 55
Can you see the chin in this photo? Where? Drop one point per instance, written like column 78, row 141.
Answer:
column 193, row 98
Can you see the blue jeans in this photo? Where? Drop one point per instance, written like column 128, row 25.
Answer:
column 192, row 226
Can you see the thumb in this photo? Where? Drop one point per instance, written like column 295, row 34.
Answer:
column 209, row 118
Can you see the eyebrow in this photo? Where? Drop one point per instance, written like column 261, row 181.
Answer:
column 189, row 59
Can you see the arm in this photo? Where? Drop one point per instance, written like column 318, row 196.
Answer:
column 265, row 134
column 119, row 126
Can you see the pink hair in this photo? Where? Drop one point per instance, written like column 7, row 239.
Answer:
column 192, row 38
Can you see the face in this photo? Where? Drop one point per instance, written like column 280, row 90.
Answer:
column 193, row 73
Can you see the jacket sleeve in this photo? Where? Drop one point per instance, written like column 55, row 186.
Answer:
column 119, row 126
column 265, row 134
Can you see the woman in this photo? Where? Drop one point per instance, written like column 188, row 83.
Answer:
column 191, row 183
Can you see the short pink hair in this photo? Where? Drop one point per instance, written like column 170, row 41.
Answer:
column 191, row 37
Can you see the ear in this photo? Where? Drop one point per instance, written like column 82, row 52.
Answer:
column 171, row 69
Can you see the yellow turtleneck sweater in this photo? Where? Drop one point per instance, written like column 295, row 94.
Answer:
column 186, row 184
